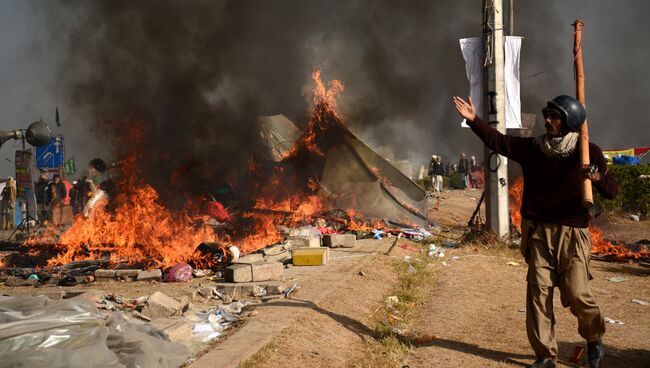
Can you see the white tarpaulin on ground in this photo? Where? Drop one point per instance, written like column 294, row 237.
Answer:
column 474, row 55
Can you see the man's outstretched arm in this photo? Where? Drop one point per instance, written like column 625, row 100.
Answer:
column 511, row 147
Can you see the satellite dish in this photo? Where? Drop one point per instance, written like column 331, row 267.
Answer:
column 38, row 134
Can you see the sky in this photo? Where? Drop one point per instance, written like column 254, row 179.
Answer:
column 202, row 71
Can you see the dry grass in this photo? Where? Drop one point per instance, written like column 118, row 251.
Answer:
column 393, row 321
column 261, row 355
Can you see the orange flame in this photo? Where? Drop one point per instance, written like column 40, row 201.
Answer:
column 140, row 231
column 516, row 193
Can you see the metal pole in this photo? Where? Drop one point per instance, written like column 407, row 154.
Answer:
column 497, row 215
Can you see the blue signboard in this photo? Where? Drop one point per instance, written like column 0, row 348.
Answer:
column 51, row 155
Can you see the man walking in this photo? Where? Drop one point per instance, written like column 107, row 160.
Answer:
column 438, row 172
column 555, row 235
column 58, row 194
column 463, row 169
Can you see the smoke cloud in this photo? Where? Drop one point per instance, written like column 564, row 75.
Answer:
column 197, row 74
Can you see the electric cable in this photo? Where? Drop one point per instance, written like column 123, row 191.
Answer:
column 489, row 162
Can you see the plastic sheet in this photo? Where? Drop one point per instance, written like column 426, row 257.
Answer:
column 39, row 332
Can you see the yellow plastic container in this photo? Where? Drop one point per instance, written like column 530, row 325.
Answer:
column 310, row 256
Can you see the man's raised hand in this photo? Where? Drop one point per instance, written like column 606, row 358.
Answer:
column 465, row 109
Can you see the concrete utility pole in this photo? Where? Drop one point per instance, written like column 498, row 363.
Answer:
column 498, row 217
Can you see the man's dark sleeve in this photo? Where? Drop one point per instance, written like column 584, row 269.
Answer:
column 607, row 185
column 511, row 147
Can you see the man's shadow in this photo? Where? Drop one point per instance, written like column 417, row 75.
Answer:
column 354, row 326
column 473, row 349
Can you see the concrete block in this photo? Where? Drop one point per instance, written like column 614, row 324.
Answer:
column 160, row 305
column 104, row 273
column 150, row 275
column 283, row 257
column 310, row 256
column 305, row 241
column 260, row 271
column 266, row 271
column 239, row 273
column 250, row 258
column 339, row 240
column 127, row 274
column 275, row 249
column 173, row 329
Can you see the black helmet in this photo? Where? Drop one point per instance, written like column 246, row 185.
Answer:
column 571, row 111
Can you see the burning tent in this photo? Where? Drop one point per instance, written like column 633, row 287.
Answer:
column 278, row 135
column 349, row 173
column 356, row 177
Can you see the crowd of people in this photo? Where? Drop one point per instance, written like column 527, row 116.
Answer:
column 54, row 195
column 469, row 172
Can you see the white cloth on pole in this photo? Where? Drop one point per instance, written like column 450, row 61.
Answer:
column 474, row 55
column 511, row 76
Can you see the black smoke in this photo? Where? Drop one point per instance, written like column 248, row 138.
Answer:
column 197, row 74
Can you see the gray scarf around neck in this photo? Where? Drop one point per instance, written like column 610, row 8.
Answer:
column 557, row 147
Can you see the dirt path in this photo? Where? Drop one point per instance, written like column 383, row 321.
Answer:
column 477, row 309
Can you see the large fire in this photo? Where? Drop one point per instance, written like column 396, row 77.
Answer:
column 598, row 243
column 139, row 229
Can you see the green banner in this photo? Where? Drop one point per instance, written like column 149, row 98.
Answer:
column 69, row 167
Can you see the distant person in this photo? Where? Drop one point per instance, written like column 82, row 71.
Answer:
column 430, row 173
column 79, row 194
column 8, row 205
column 555, row 238
column 438, row 172
column 473, row 172
column 463, row 170
column 43, row 197
column 58, row 193
column 73, row 197
column 448, row 170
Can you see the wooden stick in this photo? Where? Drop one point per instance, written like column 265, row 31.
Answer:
column 587, row 195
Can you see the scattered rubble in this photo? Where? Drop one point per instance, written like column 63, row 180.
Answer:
column 160, row 305
column 616, row 279
column 613, row 321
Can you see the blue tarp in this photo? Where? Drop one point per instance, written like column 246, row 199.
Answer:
column 626, row 160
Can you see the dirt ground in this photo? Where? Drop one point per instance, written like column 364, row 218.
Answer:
column 475, row 308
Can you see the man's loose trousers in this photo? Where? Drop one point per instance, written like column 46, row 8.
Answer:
column 558, row 256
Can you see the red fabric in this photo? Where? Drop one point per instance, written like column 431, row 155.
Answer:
column 640, row 152
column 216, row 210
column 68, row 186
column 407, row 247
column 326, row 231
